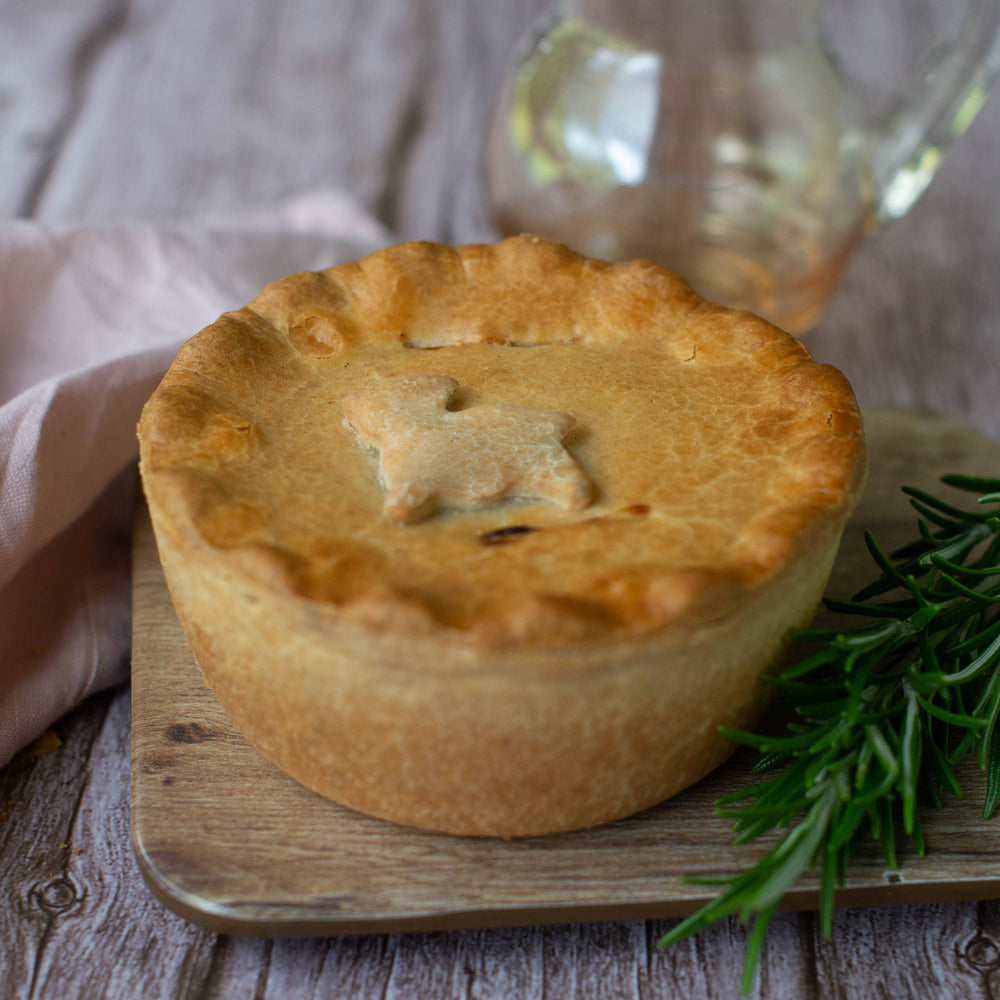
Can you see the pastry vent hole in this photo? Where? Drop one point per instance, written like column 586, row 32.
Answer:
column 503, row 536
column 418, row 345
column 636, row 510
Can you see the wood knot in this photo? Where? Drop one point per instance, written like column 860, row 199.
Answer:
column 57, row 896
column 189, row 732
column 981, row 952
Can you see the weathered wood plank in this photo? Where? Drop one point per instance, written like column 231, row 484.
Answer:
column 49, row 51
column 255, row 98
column 902, row 952
column 112, row 938
column 39, row 868
column 380, row 99
column 112, row 108
column 980, row 948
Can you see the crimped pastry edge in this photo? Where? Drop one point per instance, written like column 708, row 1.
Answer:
column 828, row 478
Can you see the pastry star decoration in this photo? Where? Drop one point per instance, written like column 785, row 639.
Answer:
column 432, row 458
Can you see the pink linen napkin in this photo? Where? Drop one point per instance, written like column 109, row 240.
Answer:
column 90, row 318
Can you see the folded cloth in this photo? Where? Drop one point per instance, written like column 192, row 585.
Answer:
column 90, row 318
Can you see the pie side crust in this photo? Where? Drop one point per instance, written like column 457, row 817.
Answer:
column 523, row 665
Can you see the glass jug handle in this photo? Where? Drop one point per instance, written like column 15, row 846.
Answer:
column 940, row 102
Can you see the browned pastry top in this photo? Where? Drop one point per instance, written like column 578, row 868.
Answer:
column 509, row 444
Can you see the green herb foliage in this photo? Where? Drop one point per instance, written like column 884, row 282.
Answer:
column 882, row 712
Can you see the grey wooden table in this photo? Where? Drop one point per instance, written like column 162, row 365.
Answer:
column 166, row 108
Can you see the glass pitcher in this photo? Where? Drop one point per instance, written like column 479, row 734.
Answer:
column 722, row 139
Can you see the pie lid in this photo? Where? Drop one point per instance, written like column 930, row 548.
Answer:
column 506, row 444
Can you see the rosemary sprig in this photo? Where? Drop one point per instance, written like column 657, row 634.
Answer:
column 883, row 711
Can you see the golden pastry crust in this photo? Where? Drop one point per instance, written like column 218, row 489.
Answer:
column 668, row 470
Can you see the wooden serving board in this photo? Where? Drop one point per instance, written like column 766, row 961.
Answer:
column 230, row 842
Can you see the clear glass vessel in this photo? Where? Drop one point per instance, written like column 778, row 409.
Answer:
column 720, row 138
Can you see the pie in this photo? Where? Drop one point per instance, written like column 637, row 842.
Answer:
column 491, row 540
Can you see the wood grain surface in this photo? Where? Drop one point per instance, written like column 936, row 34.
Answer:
column 227, row 840
column 165, row 108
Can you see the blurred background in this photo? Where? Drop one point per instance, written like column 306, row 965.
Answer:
column 115, row 110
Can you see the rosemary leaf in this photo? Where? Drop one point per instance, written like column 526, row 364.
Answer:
column 880, row 715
